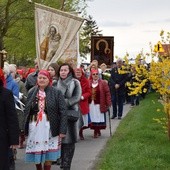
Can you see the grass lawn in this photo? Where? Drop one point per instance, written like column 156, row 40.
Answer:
column 139, row 143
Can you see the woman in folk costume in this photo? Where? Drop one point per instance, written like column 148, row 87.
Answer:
column 71, row 89
column 46, row 122
column 84, row 103
column 100, row 101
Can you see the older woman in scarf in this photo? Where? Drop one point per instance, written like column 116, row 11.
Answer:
column 46, row 122
column 84, row 104
column 100, row 101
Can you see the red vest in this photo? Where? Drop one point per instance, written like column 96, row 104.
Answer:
column 95, row 95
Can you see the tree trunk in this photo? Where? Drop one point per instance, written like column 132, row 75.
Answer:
column 1, row 44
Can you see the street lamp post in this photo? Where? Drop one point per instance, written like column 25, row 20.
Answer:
column 3, row 56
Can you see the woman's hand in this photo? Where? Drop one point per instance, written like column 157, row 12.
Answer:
column 62, row 135
column 14, row 146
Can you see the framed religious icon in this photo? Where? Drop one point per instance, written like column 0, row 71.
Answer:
column 102, row 49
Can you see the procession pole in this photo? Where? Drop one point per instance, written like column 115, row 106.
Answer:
column 110, row 127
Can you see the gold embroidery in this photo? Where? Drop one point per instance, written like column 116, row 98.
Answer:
column 93, row 94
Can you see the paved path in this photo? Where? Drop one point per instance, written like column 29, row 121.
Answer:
column 87, row 151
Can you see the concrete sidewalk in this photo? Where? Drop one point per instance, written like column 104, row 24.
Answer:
column 87, row 151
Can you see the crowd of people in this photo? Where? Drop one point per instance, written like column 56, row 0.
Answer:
column 43, row 105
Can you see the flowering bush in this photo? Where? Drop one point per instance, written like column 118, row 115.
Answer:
column 159, row 76
column 138, row 75
column 106, row 76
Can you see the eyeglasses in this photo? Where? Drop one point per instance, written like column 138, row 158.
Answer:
column 96, row 74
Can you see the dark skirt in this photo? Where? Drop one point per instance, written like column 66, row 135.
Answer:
column 100, row 125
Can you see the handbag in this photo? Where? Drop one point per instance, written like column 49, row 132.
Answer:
column 73, row 115
column 20, row 115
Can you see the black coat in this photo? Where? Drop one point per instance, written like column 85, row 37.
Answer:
column 71, row 89
column 9, row 126
column 55, row 109
column 117, row 78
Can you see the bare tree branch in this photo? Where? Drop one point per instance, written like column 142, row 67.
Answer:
column 63, row 4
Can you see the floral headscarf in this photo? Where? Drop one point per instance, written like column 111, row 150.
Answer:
column 45, row 73
column 92, row 72
column 81, row 70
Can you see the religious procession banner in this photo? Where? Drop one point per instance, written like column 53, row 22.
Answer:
column 102, row 49
column 56, row 36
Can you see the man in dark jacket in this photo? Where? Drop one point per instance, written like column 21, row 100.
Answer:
column 31, row 79
column 117, row 88
column 9, row 126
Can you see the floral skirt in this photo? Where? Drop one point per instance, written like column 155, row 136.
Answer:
column 41, row 146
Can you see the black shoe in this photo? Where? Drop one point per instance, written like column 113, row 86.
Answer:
column 137, row 103
column 113, row 117
column 58, row 162
column 54, row 163
column 15, row 154
column 119, row 117
column 12, row 165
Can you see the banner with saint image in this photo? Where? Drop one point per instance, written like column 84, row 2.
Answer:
column 56, row 36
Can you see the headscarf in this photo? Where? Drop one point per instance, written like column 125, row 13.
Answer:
column 20, row 72
column 81, row 70
column 92, row 72
column 2, row 78
column 45, row 73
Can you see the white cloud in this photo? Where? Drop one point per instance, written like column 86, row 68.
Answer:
column 114, row 24
column 162, row 20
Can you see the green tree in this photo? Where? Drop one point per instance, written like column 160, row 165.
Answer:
column 17, row 27
column 17, row 22
column 88, row 29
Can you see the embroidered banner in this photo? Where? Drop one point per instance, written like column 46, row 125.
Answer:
column 56, row 36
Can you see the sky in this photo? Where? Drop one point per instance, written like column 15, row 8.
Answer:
column 133, row 23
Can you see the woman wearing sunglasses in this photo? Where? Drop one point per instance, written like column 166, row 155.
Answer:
column 100, row 101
